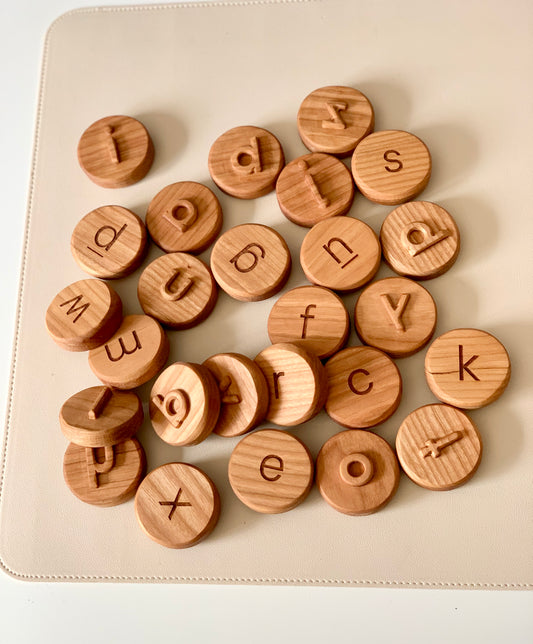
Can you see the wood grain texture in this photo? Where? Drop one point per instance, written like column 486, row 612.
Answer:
column 178, row 290
column 84, row 315
column 177, row 505
column 296, row 381
column 115, row 151
column 184, row 404
column 395, row 315
column 184, row 216
column 439, row 447
column 243, row 390
column 365, row 387
column 104, row 476
column 314, row 187
column 334, row 119
column 420, row 239
column 357, row 472
column 245, row 162
column 133, row 355
column 109, row 242
column 391, row 166
column 340, row 253
column 251, row 262
column 311, row 316
column 271, row 471
column 467, row 368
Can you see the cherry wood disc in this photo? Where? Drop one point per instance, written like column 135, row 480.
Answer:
column 340, row 253
column 365, row 387
column 115, row 151
column 311, row 316
column 251, row 262
column 109, row 242
column 395, row 315
column 334, row 119
column 104, row 476
column 357, row 472
column 246, row 161
column 467, row 368
column 177, row 505
column 135, row 353
column 243, row 393
column 271, row 471
column 420, row 240
column 177, row 289
column 439, row 447
column 314, row 187
column 391, row 167
column 184, row 216
column 84, row 315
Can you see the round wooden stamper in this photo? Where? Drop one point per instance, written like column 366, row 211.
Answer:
column 467, row 368
column 340, row 253
column 314, row 187
column 296, row 381
column 365, row 387
column 135, row 353
column 109, row 242
column 178, row 290
column 311, row 316
column 184, row 404
column 334, row 119
column 391, row 167
column 84, row 315
column 184, row 216
column 439, row 447
column 101, row 416
column 251, row 262
column 395, row 315
column 177, row 505
column 271, row 471
column 245, row 162
column 357, row 472
column 104, row 476
column 420, row 240
column 243, row 393
column 115, row 151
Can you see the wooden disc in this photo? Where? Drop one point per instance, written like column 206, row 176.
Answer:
column 101, row 416
column 251, row 262
column 245, row 162
column 115, row 151
column 109, row 242
column 243, row 393
column 467, row 368
column 296, row 381
column 314, row 187
column 271, row 471
column 184, row 216
column 178, row 290
column 391, row 166
column 419, row 239
column 84, row 315
column 365, row 387
column 395, row 315
column 357, row 472
column 177, row 505
column 104, row 476
column 439, row 447
column 135, row 353
column 334, row 119
column 311, row 316
column 340, row 253
column 184, row 404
